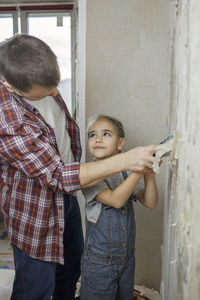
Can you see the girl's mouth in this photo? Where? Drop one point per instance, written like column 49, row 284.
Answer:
column 98, row 147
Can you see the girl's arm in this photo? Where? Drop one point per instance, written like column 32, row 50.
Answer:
column 149, row 196
column 121, row 194
column 139, row 159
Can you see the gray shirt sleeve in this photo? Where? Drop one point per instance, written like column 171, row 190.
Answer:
column 91, row 192
column 92, row 206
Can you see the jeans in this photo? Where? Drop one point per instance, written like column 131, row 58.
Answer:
column 108, row 261
column 107, row 278
column 68, row 274
column 39, row 280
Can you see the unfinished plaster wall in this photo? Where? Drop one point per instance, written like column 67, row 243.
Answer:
column 181, row 251
column 127, row 76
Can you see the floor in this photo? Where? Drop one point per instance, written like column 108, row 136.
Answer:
column 7, row 272
column 150, row 294
column 6, row 281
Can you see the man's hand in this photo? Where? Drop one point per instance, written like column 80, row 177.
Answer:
column 141, row 159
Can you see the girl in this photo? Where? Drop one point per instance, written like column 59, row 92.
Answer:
column 108, row 261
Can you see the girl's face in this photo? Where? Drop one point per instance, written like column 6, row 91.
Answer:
column 104, row 140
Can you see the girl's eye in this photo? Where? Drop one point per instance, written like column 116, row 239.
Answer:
column 107, row 134
column 91, row 135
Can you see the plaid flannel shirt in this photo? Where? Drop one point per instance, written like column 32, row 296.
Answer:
column 33, row 178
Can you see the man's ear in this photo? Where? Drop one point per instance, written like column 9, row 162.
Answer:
column 9, row 87
column 121, row 143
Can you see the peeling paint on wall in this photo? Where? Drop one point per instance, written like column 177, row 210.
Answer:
column 181, row 255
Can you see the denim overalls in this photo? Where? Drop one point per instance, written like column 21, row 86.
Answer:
column 108, row 261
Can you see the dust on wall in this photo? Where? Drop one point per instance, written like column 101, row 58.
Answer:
column 181, row 255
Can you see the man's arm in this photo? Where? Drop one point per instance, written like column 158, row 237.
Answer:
column 139, row 160
column 25, row 147
column 118, row 197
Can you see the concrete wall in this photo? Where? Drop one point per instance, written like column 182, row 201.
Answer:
column 181, row 259
column 127, row 76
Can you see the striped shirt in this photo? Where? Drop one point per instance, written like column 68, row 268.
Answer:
column 33, row 178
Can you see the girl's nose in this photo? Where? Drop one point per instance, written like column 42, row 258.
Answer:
column 98, row 139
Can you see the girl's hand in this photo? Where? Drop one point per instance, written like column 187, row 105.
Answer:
column 149, row 174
